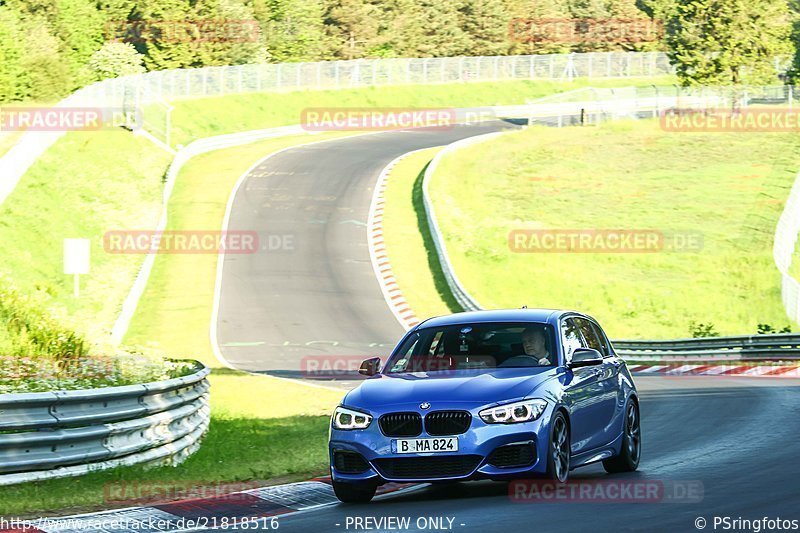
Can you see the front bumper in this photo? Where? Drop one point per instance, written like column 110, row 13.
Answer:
column 472, row 461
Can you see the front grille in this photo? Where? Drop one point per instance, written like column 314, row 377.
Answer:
column 513, row 455
column 447, row 422
column 349, row 462
column 442, row 466
column 401, row 424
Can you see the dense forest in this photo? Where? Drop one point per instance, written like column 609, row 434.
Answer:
column 51, row 47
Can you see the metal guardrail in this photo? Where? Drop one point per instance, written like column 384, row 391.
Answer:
column 740, row 347
column 764, row 347
column 65, row 433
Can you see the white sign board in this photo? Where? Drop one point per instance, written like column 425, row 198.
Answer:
column 76, row 256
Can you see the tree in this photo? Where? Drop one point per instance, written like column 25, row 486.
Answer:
column 354, row 28
column 427, row 28
column 116, row 59
column 721, row 42
column 48, row 75
column 293, row 29
column 235, row 37
column 610, row 25
column 79, row 25
column 534, row 26
column 163, row 33
column 486, row 24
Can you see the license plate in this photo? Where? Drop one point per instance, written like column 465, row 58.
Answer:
column 448, row 444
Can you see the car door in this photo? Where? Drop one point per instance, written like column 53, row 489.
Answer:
column 582, row 390
column 613, row 382
column 606, row 400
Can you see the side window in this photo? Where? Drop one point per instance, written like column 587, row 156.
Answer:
column 570, row 337
column 606, row 351
column 590, row 335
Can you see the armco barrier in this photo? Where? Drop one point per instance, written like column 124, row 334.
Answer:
column 66, row 433
column 740, row 347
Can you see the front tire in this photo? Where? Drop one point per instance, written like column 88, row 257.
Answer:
column 354, row 492
column 558, row 455
column 628, row 459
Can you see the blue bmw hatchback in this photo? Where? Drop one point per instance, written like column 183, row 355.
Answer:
column 487, row 395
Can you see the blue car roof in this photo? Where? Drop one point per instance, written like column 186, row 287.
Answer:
column 497, row 315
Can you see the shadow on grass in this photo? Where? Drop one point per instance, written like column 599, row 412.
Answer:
column 251, row 450
column 430, row 250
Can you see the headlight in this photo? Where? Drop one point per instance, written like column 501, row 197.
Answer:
column 512, row 413
column 344, row 418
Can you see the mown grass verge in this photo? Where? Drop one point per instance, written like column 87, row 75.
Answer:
column 86, row 184
column 409, row 247
column 728, row 187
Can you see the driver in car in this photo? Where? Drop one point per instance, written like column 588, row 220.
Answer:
column 534, row 350
column 534, row 345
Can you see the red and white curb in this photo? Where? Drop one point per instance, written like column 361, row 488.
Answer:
column 250, row 509
column 377, row 252
column 677, row 369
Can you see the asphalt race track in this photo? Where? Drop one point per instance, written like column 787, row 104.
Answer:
column 734, row 438
column 314, row 292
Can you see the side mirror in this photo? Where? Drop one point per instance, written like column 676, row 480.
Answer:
column 370, row 367
column 585, row 357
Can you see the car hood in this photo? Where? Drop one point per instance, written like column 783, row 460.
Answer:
column 478, row 387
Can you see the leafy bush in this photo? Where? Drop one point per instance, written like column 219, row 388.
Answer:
column 32, row 332
column 38, row 354
column 116, row 59
column 702, row 330
column 767, row 329
column 42, row 374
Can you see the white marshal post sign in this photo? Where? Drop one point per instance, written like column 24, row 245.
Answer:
column 76, row 260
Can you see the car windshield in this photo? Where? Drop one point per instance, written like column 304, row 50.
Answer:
column 476, row 346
